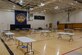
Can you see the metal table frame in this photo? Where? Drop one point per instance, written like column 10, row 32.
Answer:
column 65, row 33
column 29, row 44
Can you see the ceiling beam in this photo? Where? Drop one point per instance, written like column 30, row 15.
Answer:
column 15, row 3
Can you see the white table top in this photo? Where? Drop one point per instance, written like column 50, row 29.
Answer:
column 66, row 33
column 45, row 31
column 9, row 33
column 25, row 39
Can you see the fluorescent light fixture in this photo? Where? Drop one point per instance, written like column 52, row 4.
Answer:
column 21, row 2
column 13, row 7
column 76, row 1
column 72, row 3
column 42, row 4
column 31, row 8
column 43, row 11
column 56, row 7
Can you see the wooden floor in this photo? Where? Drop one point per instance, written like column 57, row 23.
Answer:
column 45, row 45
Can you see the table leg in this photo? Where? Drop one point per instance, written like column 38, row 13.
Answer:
column 59, row 36
column 10, row 37
column 28, row 49
column 18, row 44
column 41, row 34
column 31, row 48
column 47, row 34
column 71, row 38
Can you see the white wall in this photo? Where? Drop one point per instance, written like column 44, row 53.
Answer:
column 41, row 23
column 8, row 17
column 75, row 17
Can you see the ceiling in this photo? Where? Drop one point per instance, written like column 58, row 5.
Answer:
column 51, row 6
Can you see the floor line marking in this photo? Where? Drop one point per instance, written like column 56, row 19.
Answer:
column 9, row 50
column 72, row 50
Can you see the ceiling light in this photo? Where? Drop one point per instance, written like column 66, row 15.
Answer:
column 56, row 7
column 76, row 2
column 43, row 11
column 13, row 7
column 42, row 4
column 72, row 3
column 31, row 8
column 21, row 2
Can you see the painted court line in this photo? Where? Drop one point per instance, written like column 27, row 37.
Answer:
column 8, row 49
column 72, row 50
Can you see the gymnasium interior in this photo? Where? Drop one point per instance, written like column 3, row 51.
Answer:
column 40, row 27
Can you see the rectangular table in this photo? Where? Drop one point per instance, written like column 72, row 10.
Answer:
column 47, row 32
column 27, row 40
column 65, row 33
column 9, row 35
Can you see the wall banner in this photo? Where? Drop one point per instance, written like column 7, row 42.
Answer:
column 20, row 17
